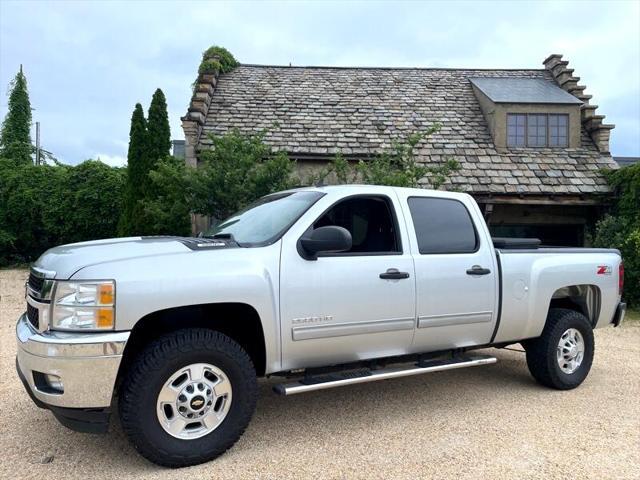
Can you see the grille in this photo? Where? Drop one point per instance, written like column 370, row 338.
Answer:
column 32, row 315
column 35, row 282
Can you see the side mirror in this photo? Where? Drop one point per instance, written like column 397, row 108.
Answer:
column 329, row 239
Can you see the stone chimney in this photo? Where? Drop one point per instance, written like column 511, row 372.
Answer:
column 592, row 123
column 193, row 121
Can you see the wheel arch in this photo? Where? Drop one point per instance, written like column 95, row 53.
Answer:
column 239, row 321
column 584, row 299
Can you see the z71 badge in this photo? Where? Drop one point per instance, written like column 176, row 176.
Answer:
column 604, row 270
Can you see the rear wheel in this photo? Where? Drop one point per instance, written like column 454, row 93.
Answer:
column 188, row 397
column 562, row 356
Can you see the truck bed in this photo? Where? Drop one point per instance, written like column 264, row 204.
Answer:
column 527, row 274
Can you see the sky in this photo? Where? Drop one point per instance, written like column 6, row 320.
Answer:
column 88, row 62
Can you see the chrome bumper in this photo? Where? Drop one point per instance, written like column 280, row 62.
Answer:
column 86, row 363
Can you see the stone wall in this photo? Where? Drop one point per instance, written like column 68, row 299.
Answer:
column 194, row 120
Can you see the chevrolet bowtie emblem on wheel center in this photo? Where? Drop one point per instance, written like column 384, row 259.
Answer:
column 197, row 403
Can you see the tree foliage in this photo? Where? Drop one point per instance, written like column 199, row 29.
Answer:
column 158, row 131
column 169, row 208
column 236, row 171
column 621, row 228
column 217, row 60
column 132, row 221
column 15, row 140
column 397, row 167
column 43, row 206
column 149, row 143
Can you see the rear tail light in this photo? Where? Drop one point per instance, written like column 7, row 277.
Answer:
column 620, row 278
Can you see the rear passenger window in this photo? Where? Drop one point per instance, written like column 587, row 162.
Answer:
column 442, row 226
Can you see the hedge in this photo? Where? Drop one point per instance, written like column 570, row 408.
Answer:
column 47, row 205
column 621, row 228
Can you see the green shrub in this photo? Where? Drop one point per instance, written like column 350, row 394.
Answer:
column 621, row 229
column 396, row 166
column 167, row 208
column 224, row 60
column 236, row 171
column 43, row 206
column 209, row 66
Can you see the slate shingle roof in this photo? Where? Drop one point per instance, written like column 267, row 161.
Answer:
column 359, row 111
column 523, row 90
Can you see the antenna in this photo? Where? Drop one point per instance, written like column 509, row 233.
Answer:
column 37, row 143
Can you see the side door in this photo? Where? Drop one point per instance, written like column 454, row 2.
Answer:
column 352, row 305
column 456, row 273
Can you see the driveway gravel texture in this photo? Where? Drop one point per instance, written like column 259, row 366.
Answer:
column 485, row 422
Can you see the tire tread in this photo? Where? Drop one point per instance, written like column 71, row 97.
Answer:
column 151, row 361
column 541, row 351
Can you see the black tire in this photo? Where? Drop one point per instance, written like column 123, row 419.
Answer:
column 153, row 367
column 542, row 351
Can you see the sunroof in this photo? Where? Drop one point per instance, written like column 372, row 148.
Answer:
column 522, row 90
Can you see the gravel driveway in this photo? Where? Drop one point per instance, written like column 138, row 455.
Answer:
column 485, row 422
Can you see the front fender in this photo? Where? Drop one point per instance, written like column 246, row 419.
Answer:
column 242, row 275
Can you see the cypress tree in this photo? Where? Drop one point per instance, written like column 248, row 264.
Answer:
column 158, row 127
column 15, row 141
column 132, row 220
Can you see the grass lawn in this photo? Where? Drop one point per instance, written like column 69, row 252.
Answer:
column 632, row 316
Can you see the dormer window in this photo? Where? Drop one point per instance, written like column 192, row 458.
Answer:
column 528, row 112
column 537, row 130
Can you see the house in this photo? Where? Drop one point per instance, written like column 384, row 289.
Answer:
column 529, row 141
column 626, row 161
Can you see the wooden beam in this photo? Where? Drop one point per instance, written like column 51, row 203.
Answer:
column 541, row 200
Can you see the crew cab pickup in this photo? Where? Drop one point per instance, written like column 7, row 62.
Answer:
column 323, row 287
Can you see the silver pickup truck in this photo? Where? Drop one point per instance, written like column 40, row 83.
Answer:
column 323, row 287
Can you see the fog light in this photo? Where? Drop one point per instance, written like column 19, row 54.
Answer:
column 54, row 382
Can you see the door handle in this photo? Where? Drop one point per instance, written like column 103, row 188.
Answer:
column 478, row 270
column 394, row 274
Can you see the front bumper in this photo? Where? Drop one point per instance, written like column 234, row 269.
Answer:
column 86, row 363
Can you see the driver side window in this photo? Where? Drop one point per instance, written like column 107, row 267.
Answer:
column 369, row 220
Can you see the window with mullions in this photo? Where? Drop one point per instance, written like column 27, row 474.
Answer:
column 558, row 130
column 537, row 130
column 516, row 124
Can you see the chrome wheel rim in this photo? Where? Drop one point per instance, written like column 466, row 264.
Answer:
column 194, row 401
column 570, row 351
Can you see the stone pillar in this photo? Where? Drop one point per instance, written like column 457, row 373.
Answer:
column 193, row 121
column 192, row 125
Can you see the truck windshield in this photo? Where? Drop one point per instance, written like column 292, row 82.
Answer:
column 265, row 221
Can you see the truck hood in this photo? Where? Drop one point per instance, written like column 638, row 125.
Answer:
column 66, row 260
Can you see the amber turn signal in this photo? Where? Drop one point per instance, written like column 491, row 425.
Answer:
column 105, row 318
column 106, row 294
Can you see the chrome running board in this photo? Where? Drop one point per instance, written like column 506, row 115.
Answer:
column 339, row 379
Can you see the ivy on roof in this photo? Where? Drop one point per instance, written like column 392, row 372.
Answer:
column 217, row 60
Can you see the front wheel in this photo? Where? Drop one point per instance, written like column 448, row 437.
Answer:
column 188, row 397
column 561, row 357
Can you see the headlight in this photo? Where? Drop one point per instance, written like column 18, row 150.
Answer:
column 84, row 305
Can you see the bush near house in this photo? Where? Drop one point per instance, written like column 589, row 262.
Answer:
column 621, row 229
column 237, row 170
column 47, row 205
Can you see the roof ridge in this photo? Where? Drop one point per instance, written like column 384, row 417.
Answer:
column 329, row 67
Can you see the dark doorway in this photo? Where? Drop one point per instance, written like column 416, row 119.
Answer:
column 550, row 235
